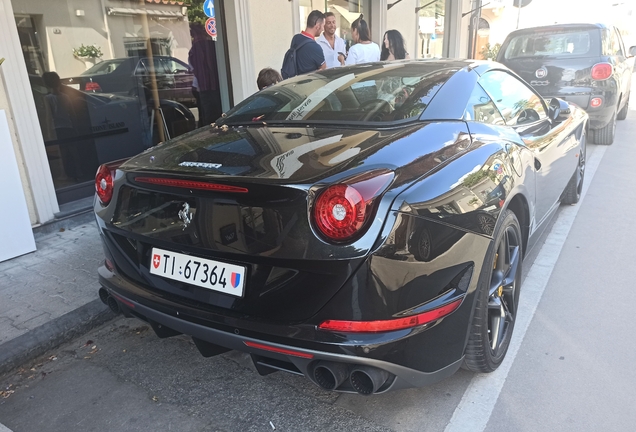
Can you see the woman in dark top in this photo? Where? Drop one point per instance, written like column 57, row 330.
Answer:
column 393, row 46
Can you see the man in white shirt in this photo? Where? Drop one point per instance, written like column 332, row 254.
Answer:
column 331, row 43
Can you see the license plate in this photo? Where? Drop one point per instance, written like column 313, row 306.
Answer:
column 205, row 273
column 75, row 86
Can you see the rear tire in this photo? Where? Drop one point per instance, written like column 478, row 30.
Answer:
column 497, row 298
column 572, row 192
column 622, row 114
column 605, row 135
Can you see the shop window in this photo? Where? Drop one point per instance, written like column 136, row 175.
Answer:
column 98, row 95
column 346, row 11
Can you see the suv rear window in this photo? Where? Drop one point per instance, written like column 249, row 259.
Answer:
column 562, row 44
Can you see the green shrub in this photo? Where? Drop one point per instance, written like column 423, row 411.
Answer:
column 92, row 51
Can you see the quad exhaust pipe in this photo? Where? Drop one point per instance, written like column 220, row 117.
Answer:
column 330, row 375
column 109, row 301
column 365, row 380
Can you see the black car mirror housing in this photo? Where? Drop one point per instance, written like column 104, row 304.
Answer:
column 558, row 110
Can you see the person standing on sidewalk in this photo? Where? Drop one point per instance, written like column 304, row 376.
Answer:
column 304, row 54
column 393, row 47
column 332, row 45
column 364, row 50
column 202, row 58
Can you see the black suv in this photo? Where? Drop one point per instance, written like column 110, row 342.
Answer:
column 585, row 64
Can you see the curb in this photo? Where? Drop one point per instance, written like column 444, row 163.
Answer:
column 67, row 222
column 51, row 335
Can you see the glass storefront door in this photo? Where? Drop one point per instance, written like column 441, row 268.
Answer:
column 430, row 28
column 110, row 79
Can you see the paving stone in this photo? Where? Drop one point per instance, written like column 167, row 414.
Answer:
column 8, row 331
column 59, row 277
column 34, row 322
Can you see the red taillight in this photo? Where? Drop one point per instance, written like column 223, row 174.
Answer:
column 392, row 324
column 104, row 184
column 109, row 265
column 341, row 210
column 92, row 86
column 105, row 180
column 278, row 350
column 189, row 184
column 596, row 102
column 602, row 71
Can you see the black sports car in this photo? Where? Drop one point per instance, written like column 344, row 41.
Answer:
column 363, row 226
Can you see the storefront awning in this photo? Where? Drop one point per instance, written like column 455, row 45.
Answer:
column 149, row 12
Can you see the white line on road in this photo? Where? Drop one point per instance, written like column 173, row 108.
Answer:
column 474, row 410
column 3, row 428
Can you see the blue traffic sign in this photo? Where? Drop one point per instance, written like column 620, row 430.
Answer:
column 208, row 8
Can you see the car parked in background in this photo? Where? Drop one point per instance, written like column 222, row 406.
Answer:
column 585, row 64
column 132, row 76
column 102, row 127
column 364, row 226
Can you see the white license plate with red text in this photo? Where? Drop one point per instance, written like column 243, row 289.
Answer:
column 205, row 273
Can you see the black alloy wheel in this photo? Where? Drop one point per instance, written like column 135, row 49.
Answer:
column 498, row 299
column 572, row 192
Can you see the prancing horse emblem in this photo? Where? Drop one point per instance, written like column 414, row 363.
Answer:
column 185, row 215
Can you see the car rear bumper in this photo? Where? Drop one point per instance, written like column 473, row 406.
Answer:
column 270, row 351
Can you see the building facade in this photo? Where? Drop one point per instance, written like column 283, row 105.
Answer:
column 88, row 82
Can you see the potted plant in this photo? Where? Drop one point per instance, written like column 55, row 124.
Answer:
column 88, row 54
column 490, row 53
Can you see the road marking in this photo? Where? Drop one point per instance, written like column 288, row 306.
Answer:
column 3, row 428
column 474, row 410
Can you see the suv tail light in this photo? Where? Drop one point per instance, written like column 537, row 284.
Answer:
column 602, row 71
column 105, row 180
column 92, row 86
column 342, row 210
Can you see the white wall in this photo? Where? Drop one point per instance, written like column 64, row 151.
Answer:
column 62, row 30
column 272, row 31
column 4, row 105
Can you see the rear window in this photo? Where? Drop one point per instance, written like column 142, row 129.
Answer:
column 104, row 67
column 359, row 94
column 562, row 44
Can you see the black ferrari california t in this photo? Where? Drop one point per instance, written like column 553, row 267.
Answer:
column 363, row 226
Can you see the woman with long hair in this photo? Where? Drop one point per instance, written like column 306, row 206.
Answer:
column 364, row 51
column 393, row 47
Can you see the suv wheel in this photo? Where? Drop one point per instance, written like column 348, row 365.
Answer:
column 605, row 135
column 622, row 114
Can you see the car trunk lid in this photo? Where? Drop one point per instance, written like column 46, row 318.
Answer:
column 259, row 216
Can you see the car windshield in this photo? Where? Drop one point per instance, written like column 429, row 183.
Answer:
column 561, row 44
column 104, row 67
column 376, row 93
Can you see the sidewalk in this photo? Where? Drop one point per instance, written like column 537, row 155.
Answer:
column 50, row 296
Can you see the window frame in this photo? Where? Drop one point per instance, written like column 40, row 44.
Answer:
column 464, row 117
column 523, row 83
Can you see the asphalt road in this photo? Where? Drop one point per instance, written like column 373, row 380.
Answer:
column 570, row 372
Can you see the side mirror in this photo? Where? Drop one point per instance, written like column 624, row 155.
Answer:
column 632, row 51
column 558, row 110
